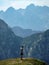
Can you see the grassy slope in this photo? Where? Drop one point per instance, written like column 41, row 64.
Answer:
column 24, row 62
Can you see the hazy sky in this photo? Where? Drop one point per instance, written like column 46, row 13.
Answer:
column 4, row 4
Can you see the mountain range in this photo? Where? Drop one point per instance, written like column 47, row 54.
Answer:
column 32, row 17
column 35, row 46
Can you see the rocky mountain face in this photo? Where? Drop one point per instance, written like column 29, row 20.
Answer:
column 37, row 46
column 9, row 43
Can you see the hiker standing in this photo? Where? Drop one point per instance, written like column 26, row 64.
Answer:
column 21, row 52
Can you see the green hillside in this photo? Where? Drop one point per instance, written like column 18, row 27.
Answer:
column 22, row 62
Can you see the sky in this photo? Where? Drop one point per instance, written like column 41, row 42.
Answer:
column 4, row 4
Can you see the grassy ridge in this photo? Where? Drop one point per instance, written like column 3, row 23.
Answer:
column 23, row 62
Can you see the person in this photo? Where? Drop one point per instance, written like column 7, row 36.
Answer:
column 21, row 52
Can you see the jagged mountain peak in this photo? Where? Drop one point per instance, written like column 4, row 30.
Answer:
column 10, row 8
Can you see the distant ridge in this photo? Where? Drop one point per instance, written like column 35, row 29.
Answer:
column 23, row 32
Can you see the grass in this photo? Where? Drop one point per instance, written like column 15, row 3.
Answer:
column 18, row 61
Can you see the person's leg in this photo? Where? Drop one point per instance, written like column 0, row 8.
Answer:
column 22, row 56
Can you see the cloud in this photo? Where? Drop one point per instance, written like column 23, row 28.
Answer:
column 36, row 2
column 4, row 4
column 41, row 2
column 20, row 4
column 16, row 4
